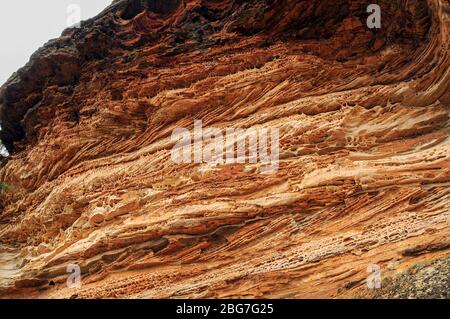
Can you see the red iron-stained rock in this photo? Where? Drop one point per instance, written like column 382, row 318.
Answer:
column 363, row 178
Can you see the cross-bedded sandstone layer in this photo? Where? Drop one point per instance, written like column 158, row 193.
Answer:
column 364, row 166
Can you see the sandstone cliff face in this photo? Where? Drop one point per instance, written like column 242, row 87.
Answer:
column 364, row 165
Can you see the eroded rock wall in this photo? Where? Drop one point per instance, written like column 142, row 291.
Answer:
column 364, row 165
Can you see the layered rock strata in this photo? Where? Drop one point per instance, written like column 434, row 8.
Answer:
column 363, row 178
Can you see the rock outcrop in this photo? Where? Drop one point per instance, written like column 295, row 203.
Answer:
column 363, row 178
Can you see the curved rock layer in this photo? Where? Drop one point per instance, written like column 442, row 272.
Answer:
column 364, row 165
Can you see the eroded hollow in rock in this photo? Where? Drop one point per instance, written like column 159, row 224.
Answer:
column 133, row 9
column 163, row 7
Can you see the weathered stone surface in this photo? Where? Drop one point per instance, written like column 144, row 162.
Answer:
column 364, row 132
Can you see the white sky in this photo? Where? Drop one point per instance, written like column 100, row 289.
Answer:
column 25, row 25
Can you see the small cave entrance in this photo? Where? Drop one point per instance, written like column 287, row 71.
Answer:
column 133, row 9
column 161, row 7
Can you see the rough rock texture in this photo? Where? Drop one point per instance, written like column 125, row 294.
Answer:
column 364, row 172
column 430, row 280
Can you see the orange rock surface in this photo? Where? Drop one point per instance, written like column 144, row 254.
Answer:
column 364, row 168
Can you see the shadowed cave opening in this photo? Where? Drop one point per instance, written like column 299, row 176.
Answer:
column 162, row 7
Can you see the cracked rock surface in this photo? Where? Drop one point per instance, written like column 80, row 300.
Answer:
column 364, row 170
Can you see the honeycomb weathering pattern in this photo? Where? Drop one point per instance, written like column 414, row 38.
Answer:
column 364, row 171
